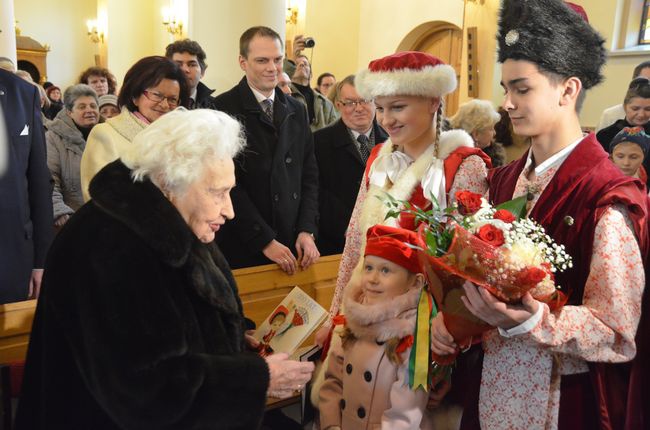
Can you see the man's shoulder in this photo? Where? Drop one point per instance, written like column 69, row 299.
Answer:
column 227, row 96
column 337, row 128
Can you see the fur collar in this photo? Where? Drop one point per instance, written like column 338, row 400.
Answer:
column 144, row 209
column 126, row 124
column 394, row 318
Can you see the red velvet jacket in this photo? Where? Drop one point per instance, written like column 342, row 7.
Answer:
column 585, row 185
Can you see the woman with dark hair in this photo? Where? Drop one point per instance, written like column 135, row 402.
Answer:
column 636, row 105
column 152, row 87
column 100, row 79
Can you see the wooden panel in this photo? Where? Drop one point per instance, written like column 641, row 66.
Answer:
column 472, row 62
column 261, row 289
column 445, row 42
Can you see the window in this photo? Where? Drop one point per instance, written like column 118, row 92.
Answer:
column 644, row 33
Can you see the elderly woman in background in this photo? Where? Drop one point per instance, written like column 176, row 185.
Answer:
column 100, row 79
column 478, row 118
column 152, row 87
column 66, row 139
column 108, row 106
column 636, row 105
column 139, row 324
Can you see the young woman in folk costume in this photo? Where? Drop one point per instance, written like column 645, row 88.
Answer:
column 417, row 162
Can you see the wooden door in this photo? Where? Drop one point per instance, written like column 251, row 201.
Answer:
column 445, row 42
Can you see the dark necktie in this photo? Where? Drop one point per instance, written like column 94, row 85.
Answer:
column 191, row 104
column 364, row 146
column 267, row 106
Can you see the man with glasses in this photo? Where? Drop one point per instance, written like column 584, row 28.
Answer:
column 341, row 153
column 320, row 110
column 190, row 57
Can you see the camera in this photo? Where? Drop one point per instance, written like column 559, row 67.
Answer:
column 310, row 42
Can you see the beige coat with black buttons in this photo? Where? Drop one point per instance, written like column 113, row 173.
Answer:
column 363, row 389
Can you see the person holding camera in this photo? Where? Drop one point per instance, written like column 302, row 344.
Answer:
column 320, row 110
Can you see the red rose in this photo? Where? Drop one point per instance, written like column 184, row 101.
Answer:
column 504, row 215
column 531, row 276
column 491, row 234
column 468, row 203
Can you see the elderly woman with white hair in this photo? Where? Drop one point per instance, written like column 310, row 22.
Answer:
column 139, row 324
column 478, row 118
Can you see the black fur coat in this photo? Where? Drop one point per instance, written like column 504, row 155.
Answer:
column 139, row 325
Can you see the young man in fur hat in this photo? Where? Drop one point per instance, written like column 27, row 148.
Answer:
column 544, row 369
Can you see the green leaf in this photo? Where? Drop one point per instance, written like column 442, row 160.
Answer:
column 517, row 206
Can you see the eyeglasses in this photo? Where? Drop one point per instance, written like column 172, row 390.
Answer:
column 158, row 98
column 355, row 103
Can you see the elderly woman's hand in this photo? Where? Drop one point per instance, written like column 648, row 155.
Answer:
column 287, row 376
column 306, row 248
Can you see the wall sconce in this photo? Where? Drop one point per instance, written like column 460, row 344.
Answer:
column 292, row 15
column 94, row 34
column 172, row 24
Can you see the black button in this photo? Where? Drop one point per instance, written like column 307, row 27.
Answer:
column 342, row 404
column 288, row 160
column 295, row 196
column 361, row 412
column 348, row 368
column 367, row 376
column 276, row 197
column 379, row 343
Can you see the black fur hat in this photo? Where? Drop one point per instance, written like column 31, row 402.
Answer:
column 551, row 34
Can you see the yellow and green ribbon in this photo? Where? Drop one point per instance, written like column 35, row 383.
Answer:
column 420, row 356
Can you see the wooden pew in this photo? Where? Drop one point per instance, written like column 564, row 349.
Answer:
column 261, row 289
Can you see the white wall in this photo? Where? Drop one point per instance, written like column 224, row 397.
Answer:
column 386, row 22
column 62, row 25
column 217, row 25
column 335, row 25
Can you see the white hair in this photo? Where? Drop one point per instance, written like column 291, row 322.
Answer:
column 475, row 115
column 174, row 150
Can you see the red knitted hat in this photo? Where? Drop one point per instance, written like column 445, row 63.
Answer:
column 393, row 244
column 408, row 73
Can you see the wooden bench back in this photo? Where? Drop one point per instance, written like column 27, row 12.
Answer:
column 261, row 289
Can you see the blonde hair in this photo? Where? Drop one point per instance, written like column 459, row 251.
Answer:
column 475, row 115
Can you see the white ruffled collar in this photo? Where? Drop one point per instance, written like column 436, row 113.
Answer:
column 389, row 167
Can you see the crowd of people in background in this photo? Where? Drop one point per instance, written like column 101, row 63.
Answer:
column 309, row 180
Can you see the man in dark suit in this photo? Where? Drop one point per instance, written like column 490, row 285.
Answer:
column 26, row 220
column 341, row 152
column 276, row 197
column 190, row 57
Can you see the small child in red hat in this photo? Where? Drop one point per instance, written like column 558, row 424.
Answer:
column 370, row 374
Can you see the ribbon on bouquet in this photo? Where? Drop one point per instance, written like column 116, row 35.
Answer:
column 420, row 357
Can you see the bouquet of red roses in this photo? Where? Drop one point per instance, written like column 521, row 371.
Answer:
column 494, row 247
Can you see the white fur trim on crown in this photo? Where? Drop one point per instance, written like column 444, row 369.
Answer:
column 429, row 81
column 451, row 140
